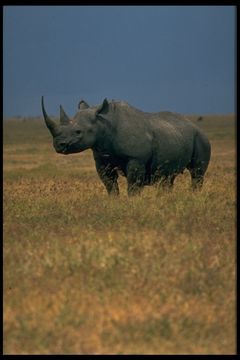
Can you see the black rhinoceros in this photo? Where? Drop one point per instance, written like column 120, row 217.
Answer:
column 145, row 147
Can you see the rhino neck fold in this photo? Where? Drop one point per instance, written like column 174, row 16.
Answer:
column 105, row 135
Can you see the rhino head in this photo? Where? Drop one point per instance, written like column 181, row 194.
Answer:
column 77, row 134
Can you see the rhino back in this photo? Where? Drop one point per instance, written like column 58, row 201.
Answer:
column 133, row 133
column 162, row 136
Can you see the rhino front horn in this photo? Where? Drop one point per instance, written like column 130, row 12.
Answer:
column 52, row 126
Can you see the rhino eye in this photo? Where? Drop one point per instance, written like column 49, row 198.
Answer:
column 78, row 132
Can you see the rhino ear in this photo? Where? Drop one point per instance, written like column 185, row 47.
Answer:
column 64, row 119
column 83, row 105
column 103, row 108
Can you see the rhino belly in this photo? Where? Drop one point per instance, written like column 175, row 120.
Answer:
column 169, row 162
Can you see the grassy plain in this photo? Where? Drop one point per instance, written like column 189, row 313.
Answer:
column 87, row 274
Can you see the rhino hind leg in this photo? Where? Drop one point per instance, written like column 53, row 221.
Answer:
column 197, row 179
column 200, row 161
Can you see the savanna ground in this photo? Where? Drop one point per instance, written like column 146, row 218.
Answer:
column 88, row 274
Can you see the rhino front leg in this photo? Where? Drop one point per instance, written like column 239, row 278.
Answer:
column 109, row 177
column 135, row 177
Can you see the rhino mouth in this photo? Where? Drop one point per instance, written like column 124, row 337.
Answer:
column 69, row 150
column 65, row 152
column 62, row 151
column 62, row 148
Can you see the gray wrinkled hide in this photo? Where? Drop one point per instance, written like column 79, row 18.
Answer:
column 145, row 147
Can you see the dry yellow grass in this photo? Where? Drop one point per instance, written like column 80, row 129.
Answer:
column 87, row 274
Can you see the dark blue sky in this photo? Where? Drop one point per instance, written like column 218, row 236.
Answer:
column 178, row 58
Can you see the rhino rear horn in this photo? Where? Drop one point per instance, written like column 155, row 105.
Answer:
column 83, row 105
column 52, row 126
column 64, row 119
